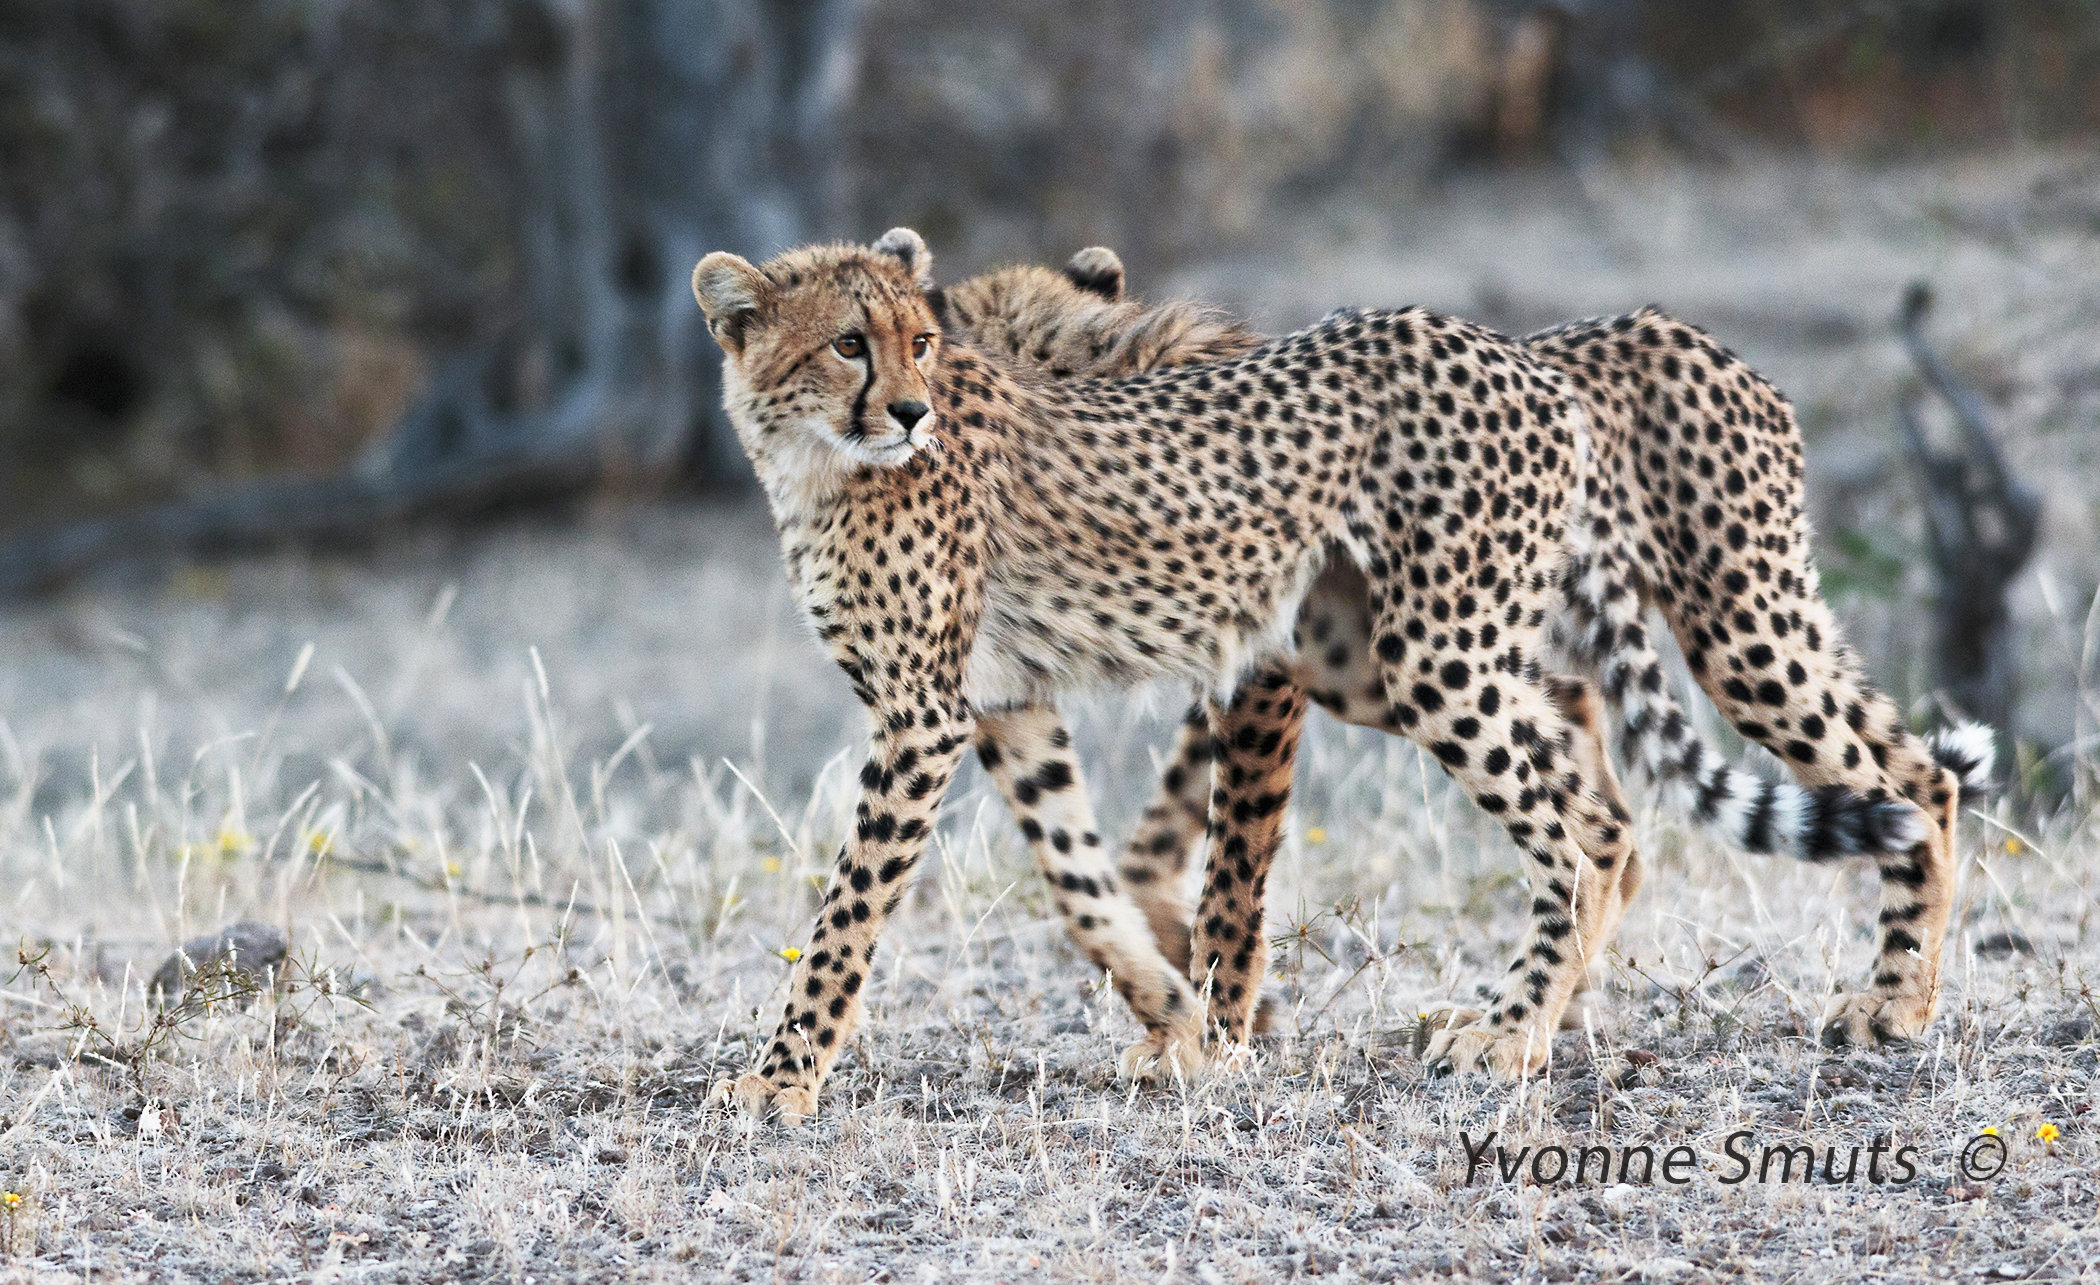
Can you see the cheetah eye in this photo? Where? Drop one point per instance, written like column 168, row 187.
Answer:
column 919, row 345
column 849, row 346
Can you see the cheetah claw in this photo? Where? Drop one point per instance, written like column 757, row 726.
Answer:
column 759, row 1097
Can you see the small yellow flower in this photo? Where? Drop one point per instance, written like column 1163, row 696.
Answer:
column 453, row 870
column 771, row 865
column 2048, row 1133
column 1989, row 1132
column 791, row 953
column 320, row 842
column 12, row 1199
column 1317, row 834
column 233, row 843
column 2013, row 846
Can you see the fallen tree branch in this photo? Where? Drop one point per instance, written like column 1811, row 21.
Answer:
column 451, row 456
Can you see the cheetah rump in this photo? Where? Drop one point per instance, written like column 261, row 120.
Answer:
column 969, row 544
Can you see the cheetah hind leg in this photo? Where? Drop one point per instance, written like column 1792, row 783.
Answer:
column 1579, row 703
column 1156, row 859
column 1906, row 987
column 1574, row 842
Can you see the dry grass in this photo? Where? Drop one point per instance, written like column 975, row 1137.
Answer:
column 517, row 980
column 541, row 809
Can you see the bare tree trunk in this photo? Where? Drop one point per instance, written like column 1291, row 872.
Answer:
column 1981, row 525
column 647, row 132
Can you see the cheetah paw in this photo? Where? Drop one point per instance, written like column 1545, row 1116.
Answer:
column 760, row 1097
column 1868, row 1018
column 1164, row 1056
column 1474, row 1046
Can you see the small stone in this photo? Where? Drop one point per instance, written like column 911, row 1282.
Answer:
column 1634, row 1069
column 248, row 947
column 1999, row 945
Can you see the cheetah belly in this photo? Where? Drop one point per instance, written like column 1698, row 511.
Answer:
column 1038, row 637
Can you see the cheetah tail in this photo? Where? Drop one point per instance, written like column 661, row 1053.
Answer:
column 1967, row 750
column 1730, row 803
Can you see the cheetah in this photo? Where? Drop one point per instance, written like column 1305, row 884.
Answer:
column 1639, row 379
column 970, row 541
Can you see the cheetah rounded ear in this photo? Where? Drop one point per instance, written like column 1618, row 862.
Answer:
column 729, row 290
column 908, row 248
column 1097, row 270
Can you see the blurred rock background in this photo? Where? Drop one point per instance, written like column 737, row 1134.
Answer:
column 245, row 239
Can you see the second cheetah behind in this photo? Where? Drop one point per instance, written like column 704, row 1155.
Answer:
column 1641, row 378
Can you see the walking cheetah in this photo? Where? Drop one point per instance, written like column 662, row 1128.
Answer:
column 1633, row 376
column 970, row 542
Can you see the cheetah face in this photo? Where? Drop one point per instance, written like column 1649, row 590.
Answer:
column 827, row 355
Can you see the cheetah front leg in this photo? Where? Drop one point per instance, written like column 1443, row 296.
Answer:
column 1335, row 668
column 1029, row 754
column 907, row 772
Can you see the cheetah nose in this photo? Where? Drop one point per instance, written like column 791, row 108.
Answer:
column 908, row 413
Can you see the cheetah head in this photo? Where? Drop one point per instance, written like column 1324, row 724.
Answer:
column 827, row 355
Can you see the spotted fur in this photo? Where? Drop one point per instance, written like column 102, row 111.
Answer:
column 1030, row 537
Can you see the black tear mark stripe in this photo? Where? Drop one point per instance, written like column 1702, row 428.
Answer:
column 854, row 427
